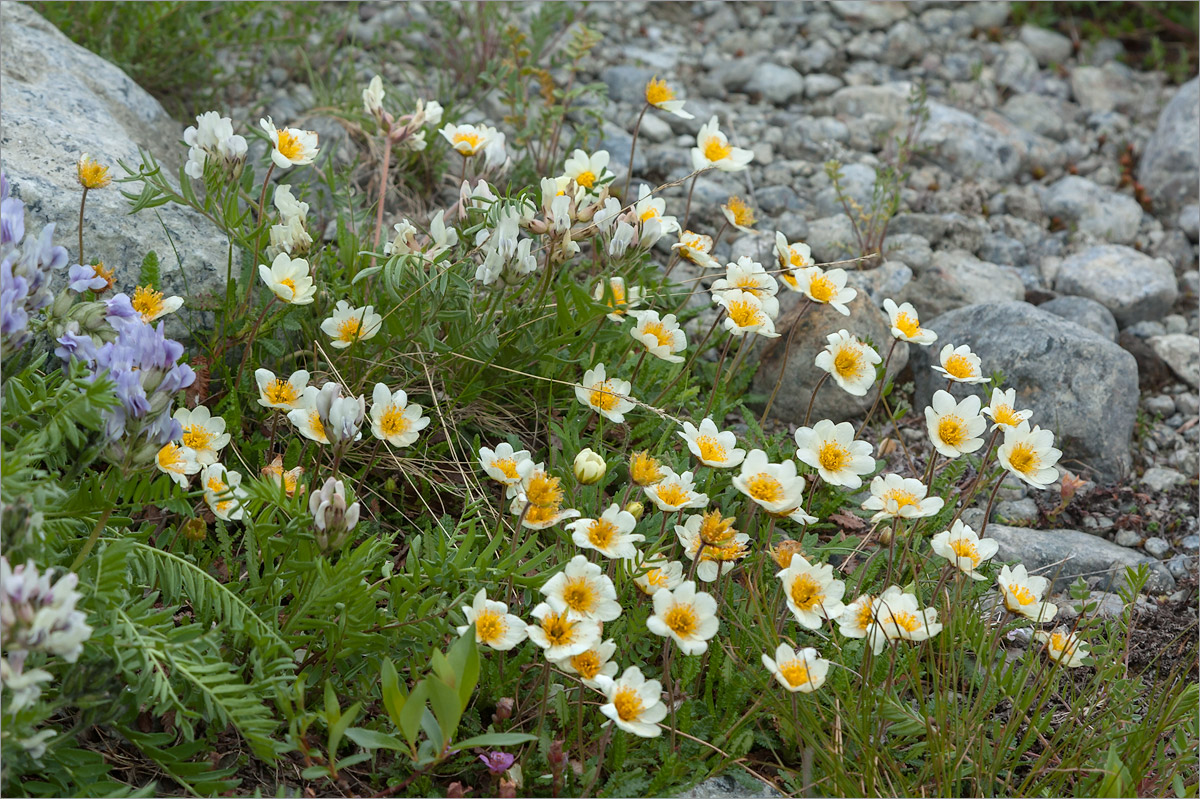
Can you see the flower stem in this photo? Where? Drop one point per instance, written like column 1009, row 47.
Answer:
column 695, row 355
column 882, row 386
column 383, row 185
column 717, row 376
column 787, row 349
column 667, row 652
column 632, row 149
column 82, row 202
column 987, row 516
column 91, row 542
column 813, row 399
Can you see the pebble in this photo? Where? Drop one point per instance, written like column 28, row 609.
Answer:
column 1181, row 566
column 1159, row 404
column 1128, row 538
column 1156, row 546
column 1160, row 478
column 1190, row 542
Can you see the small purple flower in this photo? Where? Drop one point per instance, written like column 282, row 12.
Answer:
column 81, row 277
column 497, row 762
column 28, row 266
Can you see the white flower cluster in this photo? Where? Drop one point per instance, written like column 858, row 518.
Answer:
column 290, row 236
column 212, row 137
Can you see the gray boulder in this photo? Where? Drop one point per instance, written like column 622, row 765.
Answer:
column 1084, row 312
column 627, row 83
column 1130, row 284
column 1093, row 209
column 1181, row 352
column 1066, row 555
column 1170, row 165
column 1078, row 384
column 46, row 75
column 956, row 278
column 831, row 238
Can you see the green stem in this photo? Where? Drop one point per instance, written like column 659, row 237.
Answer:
column 91, row 542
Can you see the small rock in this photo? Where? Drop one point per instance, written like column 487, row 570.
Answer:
column 905, row 43
column 1001, row 249
column 1181, row 352
column 1156, row 546
column 1100, row 88
column 1128, row 538
column 1094, row 209
column 1147, row 329
column 857, row 182
column 1047, row 46
column 777, row 84
column 820, row 85
column 1160, row 478
column 1170, row 163
column 870, row 13
column 655, row 128
column 1174, row 323
column 1133, row 286
column 1160, row 405
column 1181, row 567
column 1189, row 222
column 1084, row 312
column 967, row 147
column 1065, row 555
column 627, row 83
column 1190, row 542
column 1020, row 512
column 1016, row 68
column 832, row 238
column 1037, row 114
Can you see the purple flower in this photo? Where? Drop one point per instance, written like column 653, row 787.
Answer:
column 497, row 762
column 27, row 267
column 81, row 277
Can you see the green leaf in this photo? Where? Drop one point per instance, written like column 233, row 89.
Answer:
column 370, row 739
column 495, row 739
column 414, row 708
column 149, row 276
column 394, row 697
column 464, row 658
column 446, row 708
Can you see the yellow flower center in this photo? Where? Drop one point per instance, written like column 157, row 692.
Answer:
column 901, row 498
column 586, row 178
column 657, row 578
column 822, row 289
column 749, row 283
column 538, row 516
column 1004, row 414
column 579, row 595
column 170, row 458
column 795, row 672
column 349, row 329
column 603, row 397
column 790, row 278
column 743, row 214
column 865, row 616
column 628, row 704
column 587, row 664
column 1024, row 458
column 745, row 313
column 648, row 214
column 833, row 457
column 907, row 325
column 952, row 430
column 196, row 437
column 393, row 421
column 291, row 284
column 959, row 366
column 965, row 549
column 470, row 140
column 848, row 362
column 765, row 488
column 280, row 392
column 601, row 533
column 314, row 422
column 711, row 450
column 660, row 333
column 92, row 175
column 657, row 92
column 489, row 626
column 508, row 466
column 673, row 494
column 544, row 491
column 716, row 531
column 905, row 620
column 644, row 470
column 559, row 630
column 716, row 149
column 217, row 488
column 1059, row 644
column 784, row 551
column 725, row 554
column 682, row 620
column 147, row 302
column 1022, row 594
column 806, row 592
column 290, row 146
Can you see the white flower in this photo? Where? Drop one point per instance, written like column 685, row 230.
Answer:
column 712, row 537
column 306, row 417
column 858, row 617
column 621, row 239
column 850, row 361
column 288, row 279
column 211, row 137
column 223, row 492
column 505, row 466
column 203, row 433
column 37, row 612
column 1022, row 593
column 675, row 492
column 802, row 671
column 831, row 450
column 696, row 248
column 749, row 276
column 651, row 213
column 394, row 419
column 662, row 337
column 960, row 365
column 774, row 486
column 1063, row 646
column 25, row 685
column 1030, row 454
column 745, row 314
column 274, row 392
column 585, row 590
column 687, row 616
column 291, row 146
column 611, row 535
column 714, row 150
column 906, row 325
column 287, row 205
column 893, row 495
column 898, row 616
column 349, row 324
column 634, row 703
column 656, row 573
column 964, row 548
column 592, row 664
column 608, row 397
column 662, row 97
column 468, row 140
column 828, row 288
column 739, row 214
column 560, row 633
column 405, row 240
column 151, row 304
column 539, row 517
column 494, row 154
column 443, row 238
column 494, row 625
column 711, row 446
column 177, row 462
column 372, row 96
column 432, row 111
column 290, row 237
column 617, row 297
column 954, row 427
column 588, row 171
column 792, row 259
column 589, row 467
column 812, row 592
column 1002, row 409
column 341, row 417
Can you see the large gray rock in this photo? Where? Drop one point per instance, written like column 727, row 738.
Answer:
column 800, row 376
column 1066, row 555
column 832, row 238
column 956, row 278
column 1181, row 352
column 61, row 100
column 1078, row 384
column 627, row 83
column 889, row 100
column 1170, row 165
column 777, row 84
column 1097, row 210
column 1130, row 284
column 1084, row 312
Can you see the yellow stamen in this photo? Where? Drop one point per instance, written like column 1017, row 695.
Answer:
column 393, row 422
column 644, row 470
column 805, row 592
column 559, row 630
column 196, row 437
column 147, row 302
column 603, row 397
column 682, row 620
column 848, row 362
column 349, row 329
column 1024, row 458
column 628, row 704
column 658, row 92
column 952, row 430
column 489, row 626
column 959, row 366
column 965, row 549
column 587, row 664
column 907, row 325
column 579, row 595
column 601, row 533
column 716, row 149
column 281, row 392
column 711, row 449
column 673, row 494
column 822, row 288
column 290, row 146
column 586, row 178
column 765, row 488
column 795, row 672
column 745, row 313
column 743, row 214
column 833, row 457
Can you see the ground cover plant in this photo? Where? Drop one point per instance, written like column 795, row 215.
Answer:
column 453, row 503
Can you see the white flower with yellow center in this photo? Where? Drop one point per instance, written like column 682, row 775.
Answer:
column 1022, row 593
column 203, row 433
column 828, row 288
column 906, row 325
column 697, row 248
column 675, row 492
column 714, row 150
column 287, row 479
column 774, row 486
column 394, row 419
column 849, row 361
column 634, row 703
column 539, row 517
column 963, row 547
column 685, row 615
column 349, row 324
column 954, row 427
column 505, row 465
column 178, row 462
column 739, row 214
column 858, row 617
column 1002, row 409
column 960, row 364
column 749, row 275
column 831, row 450
column 662, row 336
column 607, row 396
column 611, row 535
column 712, row 537
column 585, row 590
column 711, row 446
column 151, row 304
column 898, row 616
column 589, row 172
column 617, row 297
column 652, row 218
column 560, row 633
column 744, row 313
column 662, row 97
column 802, row 670
column 1063, row 646
column 592, row 664
column 223, row 492
column 812, row 593
column 893, row 495
column 1030, row 454
column 494, row 625
column 468, row 140
column 793, row 258
column 275, row 392
column 657, row 572
column 288, row 279
column 307, row 418
column 290, row 146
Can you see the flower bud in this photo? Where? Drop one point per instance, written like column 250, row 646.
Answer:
column 195, row 529
column 331, row 516
column 504, row 710
column 589, row 467
column 636, row 510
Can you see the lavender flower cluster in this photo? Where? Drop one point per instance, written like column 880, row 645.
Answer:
column 25, row 271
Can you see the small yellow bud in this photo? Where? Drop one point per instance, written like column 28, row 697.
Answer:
column 636, row 510
column 195, row 529
column 589, row 467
